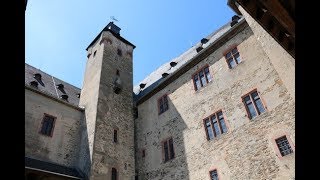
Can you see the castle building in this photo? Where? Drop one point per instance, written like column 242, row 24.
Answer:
column 224, row 109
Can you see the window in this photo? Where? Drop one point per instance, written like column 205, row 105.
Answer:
column 115, row 136
column 94, row 54
column 215, row 125
column 201, row 78
column 214, row 175
column 253, row 104
column 284, row 146
column 119, row 52
column 163, row 104
column 47, row 125
column 233, row 58
column 143, row 153
column 114, row 174
column 168, row 149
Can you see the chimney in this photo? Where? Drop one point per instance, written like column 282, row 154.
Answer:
column 114, row 28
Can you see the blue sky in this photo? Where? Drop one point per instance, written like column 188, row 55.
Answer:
column 58, row 32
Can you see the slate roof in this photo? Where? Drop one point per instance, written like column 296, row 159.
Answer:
column 52, row 167
column 155, row 78
column 48, row 85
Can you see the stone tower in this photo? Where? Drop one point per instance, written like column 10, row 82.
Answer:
column 107, row 98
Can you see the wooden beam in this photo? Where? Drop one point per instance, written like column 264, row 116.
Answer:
column 281, row 14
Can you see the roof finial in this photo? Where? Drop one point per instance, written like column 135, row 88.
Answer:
column 113, row 18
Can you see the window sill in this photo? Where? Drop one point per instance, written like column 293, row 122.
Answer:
column 203, row 87
column 219, row 137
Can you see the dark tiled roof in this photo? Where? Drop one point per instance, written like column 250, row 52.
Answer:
column 52, row 167
column 155, row 78
column 48, row 85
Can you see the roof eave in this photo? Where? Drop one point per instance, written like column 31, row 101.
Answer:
column 195, row 60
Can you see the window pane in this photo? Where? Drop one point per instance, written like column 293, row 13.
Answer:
column 252, row 111
column 209, row 129
column 260, row 106
column 197, row 82
column 234, row 51
column 216, row 128
column 223, row 126
column 237, row 58
column 49, row 127
column 213, row 118
column 214, row 175
column 203, row 79
column 228, row 55
column 254, row 95
column 161, row 108
column 166, row 152
column 231, row 63
column 171, row 149
column 208, row 75
column 247, row 100
column 44, row 127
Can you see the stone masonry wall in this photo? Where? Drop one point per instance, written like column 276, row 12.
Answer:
column 247, row 150
column 113, row 111
column 281, row 60
column 63, row 147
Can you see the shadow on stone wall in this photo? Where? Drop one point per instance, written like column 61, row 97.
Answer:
column 172, row 125
column 84, row 161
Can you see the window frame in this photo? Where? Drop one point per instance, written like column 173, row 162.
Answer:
column 235, row 46
column 254, row 103
column 198, row 75
column 159, row 104
column 218, row 122
column 169, row 154
column 214, row 169
column 53, row 124
column 276, row 148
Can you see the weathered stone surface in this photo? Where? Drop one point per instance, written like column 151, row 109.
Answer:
column 246, row 151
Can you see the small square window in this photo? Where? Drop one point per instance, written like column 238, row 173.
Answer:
column 214, row 175
column 284, row 146
column 47, row 125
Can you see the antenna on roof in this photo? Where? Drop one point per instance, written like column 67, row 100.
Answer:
column 113, row 18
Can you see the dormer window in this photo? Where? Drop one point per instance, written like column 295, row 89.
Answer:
column 199, row 48
column 37, row 76
column 60, row 86
column 142, row 85
column 204, row 40
column 165, row 75
column 34, row 84
column 64, row 97
column 173, row 64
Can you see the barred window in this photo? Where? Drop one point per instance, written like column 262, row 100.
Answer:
column 253, row 104
column 201, row 78
column 214, row 175
column 233, row 58
column 284, row 146
column 215, row 125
